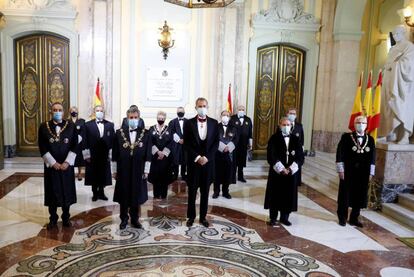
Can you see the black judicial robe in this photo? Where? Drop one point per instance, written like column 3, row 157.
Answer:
column 80, row 130
column 177, row 149
column 141, row 123
column 98, row 171
column 60, row 189
column 130, row 187
column 245, row 133
column 194, row 146
column 298, row 132
column 281, row 190
column 354, row 188
column 161, row 170
column 225, row 170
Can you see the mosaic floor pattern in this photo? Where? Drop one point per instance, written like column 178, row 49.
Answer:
column 166, row 247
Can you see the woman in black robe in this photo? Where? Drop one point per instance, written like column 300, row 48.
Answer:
column 80, row 131
column 160, row 175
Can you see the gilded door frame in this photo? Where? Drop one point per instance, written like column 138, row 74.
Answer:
column 44, row 114
column 269, row 102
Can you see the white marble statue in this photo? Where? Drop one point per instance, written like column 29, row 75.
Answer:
column 397, row 107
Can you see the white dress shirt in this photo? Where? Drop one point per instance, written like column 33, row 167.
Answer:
column 132, row 136
column 100, row 127
column 241, row 120
column 181, row 122
column 202, row 129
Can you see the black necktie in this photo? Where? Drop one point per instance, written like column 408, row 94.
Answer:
column 99, row 122
column 133, row 130
column 201, row 119
column 180, row 119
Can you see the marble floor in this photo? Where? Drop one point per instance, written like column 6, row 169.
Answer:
column 238, row 242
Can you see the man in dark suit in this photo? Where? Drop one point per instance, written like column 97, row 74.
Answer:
column 141, row 123
column 355, row 162
column 284, row 154
column 296, row 130
column 245, row 132
column 177, row 129
column 201, row 144
column 58, row 141
column 99, row 135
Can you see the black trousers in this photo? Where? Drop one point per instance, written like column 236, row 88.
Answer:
column 274, row 212
column 343, row 204
column 182, row 173
column 240, row 172
column 132, row 211
column 225, row 188
column 192, row 195
column 53, row 217
column 160, row 190
column 98, row 190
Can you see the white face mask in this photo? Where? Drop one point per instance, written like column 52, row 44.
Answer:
column 360, row 127
column 225, row 119
column 99, row 115
column 240, row 113
column 133, row 123
column 285, row 130
column 202, row 111
column 292, row 117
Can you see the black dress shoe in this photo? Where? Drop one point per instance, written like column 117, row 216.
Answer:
column 136, row 224
column 356, row 223
column 94, row 198
column 204, row 222
column 66, row 223
column 241, row 179
column 285, row 222
column 123, row 225
column 51, row 225
column 272, row 222
column 342, row 222
column 189, row 222
column 227, row 195
column 103, row 197
column 215, row 195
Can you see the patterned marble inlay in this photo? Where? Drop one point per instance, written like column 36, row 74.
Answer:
column 224, row 249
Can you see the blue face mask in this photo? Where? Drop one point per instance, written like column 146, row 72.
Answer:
column 291, row 117
column 57, row 116
column 133, row 123
column 99, row 115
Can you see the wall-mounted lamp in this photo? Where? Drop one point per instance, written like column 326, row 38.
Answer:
column 165, row 41
column 408, row 12
column 2, row 20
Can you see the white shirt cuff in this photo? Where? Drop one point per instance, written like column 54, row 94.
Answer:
column 197, row 158
column 147, row 167
column 79, row 139
column 176, row 137
column 114, row 167
column 221, row 146
column 250, row 141
column 48, row 159
column 294, row 168
column 278, row 167
column 372, row 170
column 86, row 154
column 110, row 155
column 166, row 151
column 340, row 167
column 154, row 150
column 231, row 146
column 70, row 159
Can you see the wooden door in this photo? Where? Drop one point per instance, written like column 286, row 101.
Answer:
column 279, row 79
column 42, row 78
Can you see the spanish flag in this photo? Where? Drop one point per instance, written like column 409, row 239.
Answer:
column 376, row 109
column 357, row 108
column 367, row 106
column 229, row 105
column 98, row 99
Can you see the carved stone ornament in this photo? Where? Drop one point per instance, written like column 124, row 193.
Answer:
column 284, row 11
column 39, row 4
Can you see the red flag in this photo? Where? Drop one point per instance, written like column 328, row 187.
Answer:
column 367, row 105
column 357, row 108
column 375, row 114
column 98, row 99
column 229, row 105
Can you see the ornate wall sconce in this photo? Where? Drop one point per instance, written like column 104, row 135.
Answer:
column 201, row 3
column 165, row 41
column 408, row 12
column 2, row 20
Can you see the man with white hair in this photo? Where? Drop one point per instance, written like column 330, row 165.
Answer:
column 397, row 120
column 355, row 162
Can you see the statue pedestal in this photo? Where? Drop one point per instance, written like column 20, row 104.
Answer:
column 394, row 169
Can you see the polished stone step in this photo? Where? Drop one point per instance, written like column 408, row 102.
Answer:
column 406, row 200
column 399, row 213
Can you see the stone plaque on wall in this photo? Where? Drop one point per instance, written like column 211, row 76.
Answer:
column 164, row 84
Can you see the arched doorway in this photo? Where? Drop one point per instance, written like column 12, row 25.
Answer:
column 42, row 78
column 279, row 86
